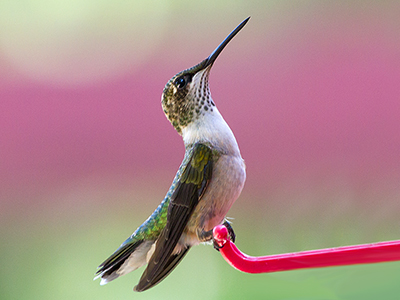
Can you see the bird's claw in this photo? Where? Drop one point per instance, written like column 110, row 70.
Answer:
column 231, row 233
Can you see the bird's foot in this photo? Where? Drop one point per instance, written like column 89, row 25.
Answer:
column 231, row 233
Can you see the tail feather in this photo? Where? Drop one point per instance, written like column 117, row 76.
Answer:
column 126, row 258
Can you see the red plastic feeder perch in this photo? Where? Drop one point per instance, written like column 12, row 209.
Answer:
column 341, row 256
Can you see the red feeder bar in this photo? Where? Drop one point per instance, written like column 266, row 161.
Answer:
column 341, row 256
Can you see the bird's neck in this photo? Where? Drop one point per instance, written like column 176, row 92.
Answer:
column 211, row 128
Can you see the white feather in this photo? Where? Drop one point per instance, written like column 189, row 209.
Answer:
column 137, row 259
column 211, row 128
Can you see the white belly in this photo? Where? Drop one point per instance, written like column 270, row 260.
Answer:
column 226, row 183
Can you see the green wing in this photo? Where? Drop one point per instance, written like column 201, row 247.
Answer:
column 188, row 192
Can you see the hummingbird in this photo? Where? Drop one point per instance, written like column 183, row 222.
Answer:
column 209, row 180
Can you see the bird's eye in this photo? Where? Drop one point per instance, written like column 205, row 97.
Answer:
column 181, row 82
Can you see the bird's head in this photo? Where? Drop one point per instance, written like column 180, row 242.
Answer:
column 186, row 96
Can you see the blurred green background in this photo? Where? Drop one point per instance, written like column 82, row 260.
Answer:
column 310, row 89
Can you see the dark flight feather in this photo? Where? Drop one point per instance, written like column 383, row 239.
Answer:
column 114, row 262
column 188, row 193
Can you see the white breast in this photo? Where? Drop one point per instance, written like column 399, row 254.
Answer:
column 228, row 176
column 210, row 127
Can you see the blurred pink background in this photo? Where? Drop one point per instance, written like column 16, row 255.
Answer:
column 310, row 93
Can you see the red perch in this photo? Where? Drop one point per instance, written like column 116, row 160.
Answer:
column 341, row 256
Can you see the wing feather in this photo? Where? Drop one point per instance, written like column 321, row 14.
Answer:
column 189, row 190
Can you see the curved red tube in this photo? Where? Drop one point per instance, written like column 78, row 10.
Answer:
column 341, row 256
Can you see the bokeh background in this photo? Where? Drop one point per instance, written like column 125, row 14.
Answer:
column 310, row 88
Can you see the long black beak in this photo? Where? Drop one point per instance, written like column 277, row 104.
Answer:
column 210, row 60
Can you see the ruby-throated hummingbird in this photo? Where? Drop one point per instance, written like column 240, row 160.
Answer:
column 207, row 183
